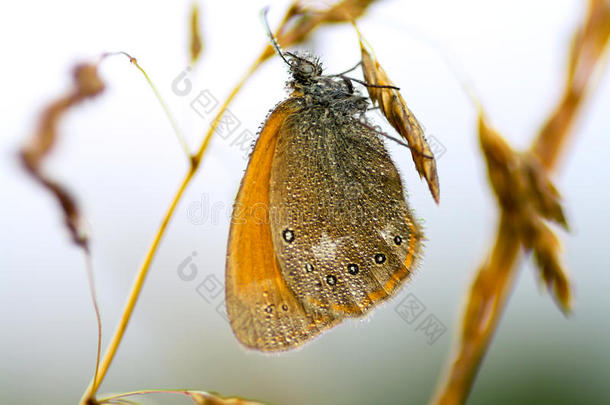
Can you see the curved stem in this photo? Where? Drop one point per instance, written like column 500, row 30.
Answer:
column 144, row 268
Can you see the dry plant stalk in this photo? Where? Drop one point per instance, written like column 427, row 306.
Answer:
column 527, row 200
column 195, row 41
column 87, row 85
column 304, row 20
column 395, row 109
column 198, row 397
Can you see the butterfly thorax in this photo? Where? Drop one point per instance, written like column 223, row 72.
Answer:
column 332, row 93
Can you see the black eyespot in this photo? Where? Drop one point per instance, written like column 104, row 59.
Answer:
column 285, row 307
column 379, row 258
column 352, row 269
column 288, row 235
column 269, row 309
column 308, row 267
column 331, row 280
column 397, row 239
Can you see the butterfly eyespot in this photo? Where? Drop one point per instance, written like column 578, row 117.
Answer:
column 285, row 307
column 331, row 280
column 288, row 235
column 269, row 309
column 352, row 269
column 308, row 267
column 397, row 239
column 379, row 258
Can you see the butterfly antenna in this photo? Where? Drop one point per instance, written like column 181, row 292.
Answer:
column 274, row 42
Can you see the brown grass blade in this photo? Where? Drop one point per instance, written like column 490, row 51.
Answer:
column 546, row 248
column 542, row 193
column 521, row 184
column 86, row 84
column 201, row 398
column 502, row 166
column 486, row 300
column 589, row 44
column 299, row 21
column 198, row 397
column 527, row 196
column 395, row 109
column 195, row 43
column 523, row 215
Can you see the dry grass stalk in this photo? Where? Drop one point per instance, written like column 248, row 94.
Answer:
column 87, row 85
column 198, row 397
column 589, row 44
column 526, row 195
column 300, row 20
column 527, row 200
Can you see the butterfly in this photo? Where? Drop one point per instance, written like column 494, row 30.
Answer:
column 320, row 229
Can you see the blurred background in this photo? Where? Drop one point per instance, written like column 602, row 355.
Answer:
column 120, row 158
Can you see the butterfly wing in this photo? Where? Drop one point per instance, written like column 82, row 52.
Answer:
column 344, row 236
column 263, row 311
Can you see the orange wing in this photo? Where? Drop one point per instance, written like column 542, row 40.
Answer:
column 263, row 311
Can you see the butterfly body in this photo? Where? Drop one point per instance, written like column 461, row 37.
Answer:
column 320, row 230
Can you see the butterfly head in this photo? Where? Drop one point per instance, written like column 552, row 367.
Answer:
column 305, row 69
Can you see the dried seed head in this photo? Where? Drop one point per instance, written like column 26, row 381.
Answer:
column 395, row 109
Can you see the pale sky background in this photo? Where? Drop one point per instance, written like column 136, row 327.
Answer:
column 120, row 158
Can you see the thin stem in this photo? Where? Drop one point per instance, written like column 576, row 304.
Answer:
column 170, row 117
column 145, row 392
column 96, row 308
column 206, row 141
column 135, row 292
column 144, row 268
